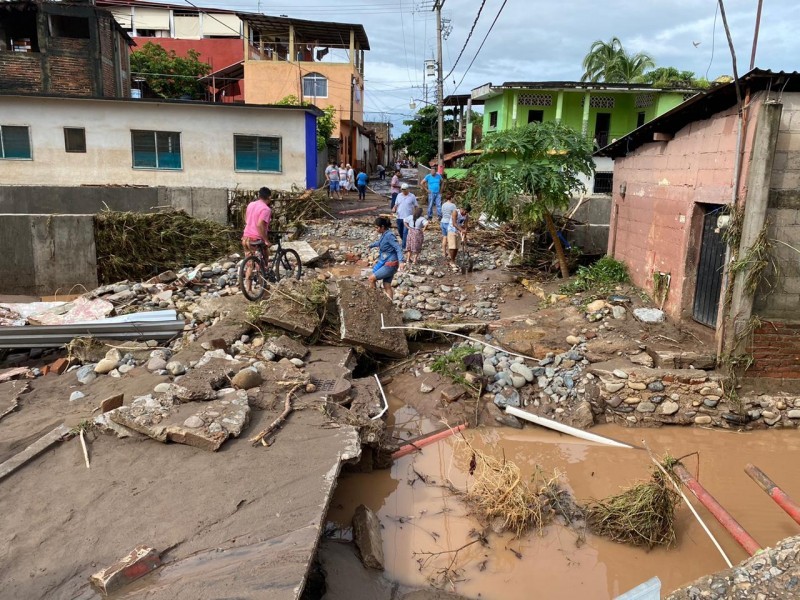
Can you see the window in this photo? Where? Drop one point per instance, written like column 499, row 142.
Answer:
column 156, row 149
column 603, row 183
column 315, row 86
column 639, row 120
column 74, row 139
column 493, row 119
column 15, row 142
column 535, row 116
column 256, row 153
column 69, row 27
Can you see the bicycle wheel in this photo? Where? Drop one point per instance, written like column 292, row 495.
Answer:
column 252, row 280
column 288, row 265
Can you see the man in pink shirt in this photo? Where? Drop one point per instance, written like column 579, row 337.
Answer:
column 256, row 229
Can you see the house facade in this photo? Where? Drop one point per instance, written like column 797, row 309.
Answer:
column 714, row 236
column 63, row 49
column 79, row 154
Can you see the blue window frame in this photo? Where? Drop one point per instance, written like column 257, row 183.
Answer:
column 156, row 149
column 257, row 153
column 15, row 142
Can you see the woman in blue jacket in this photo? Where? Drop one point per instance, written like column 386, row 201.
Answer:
column 390, row 259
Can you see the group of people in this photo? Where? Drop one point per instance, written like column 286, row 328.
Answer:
column 343, row 178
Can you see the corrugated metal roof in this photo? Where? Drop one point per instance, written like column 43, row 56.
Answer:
column 323, row 33
column 702, row 106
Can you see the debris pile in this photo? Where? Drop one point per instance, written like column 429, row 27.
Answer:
column 292, row 208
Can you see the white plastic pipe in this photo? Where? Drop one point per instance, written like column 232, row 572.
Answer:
column 573, row 431
column 385, row 401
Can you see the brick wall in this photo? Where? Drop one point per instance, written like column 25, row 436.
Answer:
column 776, row 350
column 70, row 63
column 21, row 72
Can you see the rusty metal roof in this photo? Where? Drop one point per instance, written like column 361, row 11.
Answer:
column 323, row 33
column 702, row 106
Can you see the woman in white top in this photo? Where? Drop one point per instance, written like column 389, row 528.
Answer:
column 415, row 224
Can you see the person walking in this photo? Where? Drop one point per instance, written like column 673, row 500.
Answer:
column 404, row 207
column 415, row 225
column 395, row 187
column 328, row 169
column 432, row 185
column 335, row 182
column 448, row 208
column 361, row 180
column 351, row 179
column 381, row 172
column 390, row 257
column 457, row 232
column 342, row 179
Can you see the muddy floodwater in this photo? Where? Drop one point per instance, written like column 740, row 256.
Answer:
column 419, row 517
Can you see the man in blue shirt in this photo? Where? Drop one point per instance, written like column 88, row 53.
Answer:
column 432, row 184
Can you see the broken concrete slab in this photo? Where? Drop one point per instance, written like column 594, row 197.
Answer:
column 671, row 359
column 202, row 382
column 330, row 369
column 138, row 562
column 307, row 253
column 32, row 451
column 112, row 402
column 165, row 421
column 285, row 347
column 453, row 392
column 288, row 307
column 360, row 311
column 367, row 536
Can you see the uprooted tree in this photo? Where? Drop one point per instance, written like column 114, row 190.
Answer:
column 525, row 174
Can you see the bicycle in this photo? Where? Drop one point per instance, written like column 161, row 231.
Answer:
column 285, row 263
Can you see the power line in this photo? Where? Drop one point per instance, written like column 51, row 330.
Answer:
column 469, row 35
column 502, row 6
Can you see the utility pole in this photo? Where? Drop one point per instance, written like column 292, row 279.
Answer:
column 439, row 84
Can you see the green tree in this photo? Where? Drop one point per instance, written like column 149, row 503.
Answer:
column 526, row 173
column 420, row 141
column 169, row 75
column 325, row 124
column 610, row 63
column 671, row 77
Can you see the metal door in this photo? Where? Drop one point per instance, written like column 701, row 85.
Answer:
column 709, row 271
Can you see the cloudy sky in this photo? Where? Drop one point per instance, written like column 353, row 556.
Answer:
column 534, row 40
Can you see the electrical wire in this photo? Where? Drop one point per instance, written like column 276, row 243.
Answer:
column 502, row 6
column 469, row 35
column 713, row 38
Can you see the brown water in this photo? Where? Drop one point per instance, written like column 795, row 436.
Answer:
column 426, row 518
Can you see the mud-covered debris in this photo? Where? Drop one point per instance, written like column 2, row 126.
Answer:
column 138, row 562
column 367, row 536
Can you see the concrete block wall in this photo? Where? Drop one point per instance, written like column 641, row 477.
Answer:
column 657, row 225
column 594, row 214
column 46, row 254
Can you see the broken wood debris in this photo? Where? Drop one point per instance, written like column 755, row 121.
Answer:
column 32, row 451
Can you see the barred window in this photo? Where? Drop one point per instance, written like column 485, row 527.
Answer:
column 644, row 100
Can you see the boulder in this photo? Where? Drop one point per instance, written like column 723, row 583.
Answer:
column 367, row 537
column 247, row 378
column 286, row 347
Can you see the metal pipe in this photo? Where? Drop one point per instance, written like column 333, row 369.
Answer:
column 755, row 35
column 556, row 426
column 409, row 448
column 744, row 539
column 773, row 491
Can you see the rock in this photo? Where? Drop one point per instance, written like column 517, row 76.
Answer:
column 489, row 370
column 710, row 403
column 632, row 400
column 138, row 562
column 655, row 386
column 163, row 388
column 620, row 373
column 582, row 418
column 643, row 359
column 702, row 420
column 572, row 340
column 123, row 369
column 175, row 368
column 76, row 396
column 286, row 347
column 793, row 414
column 106, row 366
column 156, row 364
column 649, row 315
column 453, row 392
column 367, row 537
column 668, row 408
column 614, row 401
column 618, row 312
column 86, row 374
column 523, row 370
column 508, row 397
column 595, row 306
column 246, row 379
column 297, row 362
column 502, row 417
column 412, row 314
column 645, row 407
column 518, row 381
column 112, row 403
column 636, row 385
column 613, row 386
column 425, row 388
column 194, row 422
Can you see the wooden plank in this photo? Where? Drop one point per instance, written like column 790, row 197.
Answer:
column 32, row 451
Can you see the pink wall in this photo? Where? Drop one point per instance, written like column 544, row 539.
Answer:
column 657, row 225
column 218, row 52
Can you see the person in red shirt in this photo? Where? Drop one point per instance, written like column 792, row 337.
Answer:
column 256, row 229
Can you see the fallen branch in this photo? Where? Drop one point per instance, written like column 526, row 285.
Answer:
column 287, row 409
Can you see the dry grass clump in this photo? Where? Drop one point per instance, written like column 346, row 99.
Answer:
column 136, row 246
column 642, row 515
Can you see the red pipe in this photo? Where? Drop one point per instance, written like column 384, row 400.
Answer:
column 774, row 492
column 435, row 437
column 744, row 539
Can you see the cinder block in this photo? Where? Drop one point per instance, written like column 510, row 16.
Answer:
column 138, row 562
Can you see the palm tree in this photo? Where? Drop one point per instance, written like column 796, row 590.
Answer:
column 608, row 62
column 598, row 63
